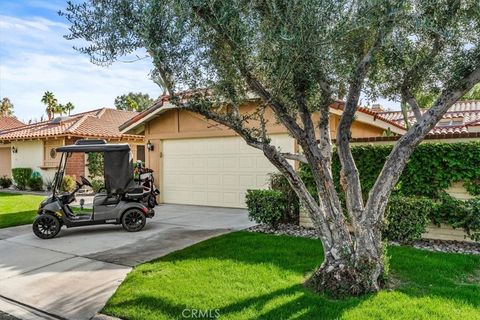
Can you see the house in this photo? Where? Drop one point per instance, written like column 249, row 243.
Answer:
column 7, row 123
column 33, row 146
column 460, row 122
column 199, row 162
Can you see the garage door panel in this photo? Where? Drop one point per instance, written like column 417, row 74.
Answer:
column 215, row 171
column 5, row 162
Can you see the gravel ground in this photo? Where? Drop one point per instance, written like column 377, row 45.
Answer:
column 424, row 244
column 6, row 316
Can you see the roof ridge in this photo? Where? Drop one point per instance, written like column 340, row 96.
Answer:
column 75, row 125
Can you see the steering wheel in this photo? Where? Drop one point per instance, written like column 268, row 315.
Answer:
column 85, row 181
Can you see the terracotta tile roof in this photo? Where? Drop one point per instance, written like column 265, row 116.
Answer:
column 466, row 111
column 340, row 105
column 7, row 122
column 99, row 123
column 336, row 105
column 457, row 135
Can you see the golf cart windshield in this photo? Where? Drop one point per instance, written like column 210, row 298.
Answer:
column 118, row 165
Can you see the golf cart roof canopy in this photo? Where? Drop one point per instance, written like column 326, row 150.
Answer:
column 93, row 146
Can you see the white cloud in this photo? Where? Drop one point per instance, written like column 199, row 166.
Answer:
column 34, row 58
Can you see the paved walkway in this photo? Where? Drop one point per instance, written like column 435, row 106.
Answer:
column 73, row 275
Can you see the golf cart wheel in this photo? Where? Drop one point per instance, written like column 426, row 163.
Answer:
column 46, row 226
column 152, row 202
column 133, row 220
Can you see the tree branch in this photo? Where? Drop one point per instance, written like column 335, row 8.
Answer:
column 412, row 102
column 350, row 179
column 296, row 157
column 396, row 161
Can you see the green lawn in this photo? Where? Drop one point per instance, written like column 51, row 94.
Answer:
column 257, row 276
column 18, row 209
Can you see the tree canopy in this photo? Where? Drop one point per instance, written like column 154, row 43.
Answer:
column 297, row 57
column 133, row 101
column 6, row 108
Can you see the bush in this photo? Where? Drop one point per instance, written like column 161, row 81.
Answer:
column 35, row 182
column 97, row 185
column 5, row 182
column 459, row 214
column 406, row 218
column 21, row 177
column 279, row 182
column 68, row 183
column 266, row 206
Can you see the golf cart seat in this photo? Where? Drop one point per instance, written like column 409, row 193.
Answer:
column 103, row 198
column 134, row 193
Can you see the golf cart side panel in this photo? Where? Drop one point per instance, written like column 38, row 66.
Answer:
column 114, row 211
column 52, row 207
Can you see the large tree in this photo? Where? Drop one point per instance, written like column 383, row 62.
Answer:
column 298, row 56
column 6, row 107
column 133, row 101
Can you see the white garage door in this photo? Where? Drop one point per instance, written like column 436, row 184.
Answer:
column 215, row 171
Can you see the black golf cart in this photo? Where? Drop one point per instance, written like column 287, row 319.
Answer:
column 118, row 203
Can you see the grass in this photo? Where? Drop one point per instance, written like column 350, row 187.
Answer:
column 257, row 276
column 18, row 209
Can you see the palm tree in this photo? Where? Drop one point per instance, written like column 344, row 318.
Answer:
column 59, row 109
column 69, row 107
column 6, row 108
column 51, row 102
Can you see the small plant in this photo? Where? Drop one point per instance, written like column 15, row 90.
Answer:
column 5, row 182
column 68, row 183
column 266, row 206
column 21, row 177
column 97, row 185
column 48, row 184
column 35, row 182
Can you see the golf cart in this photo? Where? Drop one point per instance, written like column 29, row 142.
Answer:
column 118, row 203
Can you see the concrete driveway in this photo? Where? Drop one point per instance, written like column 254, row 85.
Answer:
column 73, row 275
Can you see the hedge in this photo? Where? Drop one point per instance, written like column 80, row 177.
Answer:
column 432, row 168
column 266, row 206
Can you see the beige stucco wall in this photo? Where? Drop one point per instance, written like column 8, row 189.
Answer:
column 30, row 155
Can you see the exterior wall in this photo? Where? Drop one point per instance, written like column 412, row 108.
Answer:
column 30, row 154
column 5, row 160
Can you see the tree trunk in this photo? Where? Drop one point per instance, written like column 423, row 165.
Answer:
column 351, row 274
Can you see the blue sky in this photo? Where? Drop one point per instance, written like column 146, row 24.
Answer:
column 34, row 58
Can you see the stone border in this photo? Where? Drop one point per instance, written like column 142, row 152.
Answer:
column 449, row 246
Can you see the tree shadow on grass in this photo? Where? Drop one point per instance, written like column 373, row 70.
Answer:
column 17, row 218
column 294, row 302
column 419, row 273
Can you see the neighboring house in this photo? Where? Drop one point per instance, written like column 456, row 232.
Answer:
column 462, row 121
column 32, row 146
column 199, row 162
column 7, row 123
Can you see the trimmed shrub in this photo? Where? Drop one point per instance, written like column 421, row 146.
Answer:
column 5, row 182
column 292, row 208
column 68, row 183
column 266, row 206
column 35, row 182
column 406, row 218
column 97, row 185
column 21, row 177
